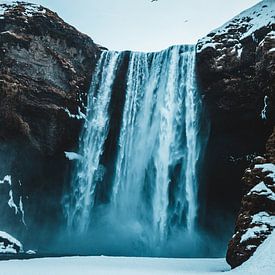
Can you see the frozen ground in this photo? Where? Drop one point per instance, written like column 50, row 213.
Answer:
column 262, row 262
column 112, row 266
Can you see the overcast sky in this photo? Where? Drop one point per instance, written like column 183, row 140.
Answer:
column 144, row 25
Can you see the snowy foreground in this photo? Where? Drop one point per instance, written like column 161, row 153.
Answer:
column 262, row 262
column 111, row 265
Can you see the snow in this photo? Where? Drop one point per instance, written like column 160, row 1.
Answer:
column 21, row 208
column 268, row 167
column 114, row 265
column 73, row 156
column 262, row 190
column 30, row 9
column 80, row 115
column 262, row 261
column 6, row 179
column 17, row 208
column 9, row 248
column 263, row 113
column 263, row 217
column 260, row 15
column 11, row 202
column 31, row 252
column 253, row 232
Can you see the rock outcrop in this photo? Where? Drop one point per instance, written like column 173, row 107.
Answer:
column 236, row 69
column 256, row 219
column 45, row 72
column 9, row 245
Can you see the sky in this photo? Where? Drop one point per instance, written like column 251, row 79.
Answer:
column 142, row 25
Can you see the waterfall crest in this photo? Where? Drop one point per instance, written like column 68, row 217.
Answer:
column 152, row 185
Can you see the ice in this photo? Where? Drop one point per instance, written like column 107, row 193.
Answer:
column 263, row 113
column 21, row 208
column 11, row 202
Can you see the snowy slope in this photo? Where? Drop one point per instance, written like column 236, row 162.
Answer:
column 30, row 9
column 241, row 27
column 263, row 260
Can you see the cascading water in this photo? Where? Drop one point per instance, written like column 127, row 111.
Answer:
column 153, row 185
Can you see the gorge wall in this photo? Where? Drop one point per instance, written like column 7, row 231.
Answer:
column 236, row 67
column 45, row 71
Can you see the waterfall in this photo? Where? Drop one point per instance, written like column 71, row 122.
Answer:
column 152, row 186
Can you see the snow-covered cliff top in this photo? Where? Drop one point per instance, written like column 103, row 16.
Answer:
column 27, row 9
column 241, row 26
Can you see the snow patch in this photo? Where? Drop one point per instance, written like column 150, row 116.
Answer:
column 253, row 232
column 21, row 208
column 73, row 156
column 258, row 16
column 30, row 9
column 30, row 252
column 17, row 208
column 262, row 190
column 9, row 248
column 6, row 179
column 263, row 113
column 263, row 218
column 268, row 167
column 11, row 202
column 80, row 115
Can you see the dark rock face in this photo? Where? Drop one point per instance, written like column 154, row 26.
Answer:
column 256, row 219
column 45, row 73
column 236, row 69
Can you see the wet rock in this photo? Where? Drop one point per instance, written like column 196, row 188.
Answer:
column 45, row 71
column 236, row 68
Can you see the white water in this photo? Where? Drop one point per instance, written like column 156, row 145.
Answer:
column 153, row 191
column 92, row 142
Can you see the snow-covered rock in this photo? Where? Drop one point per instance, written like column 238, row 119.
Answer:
column 9, row 245
column 256, row 220
column 262, row 261
column 236, row 69
column 240, row 28
column 26, row 10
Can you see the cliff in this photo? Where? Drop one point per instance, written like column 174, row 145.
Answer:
column 45, row 72
column 236, row 68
